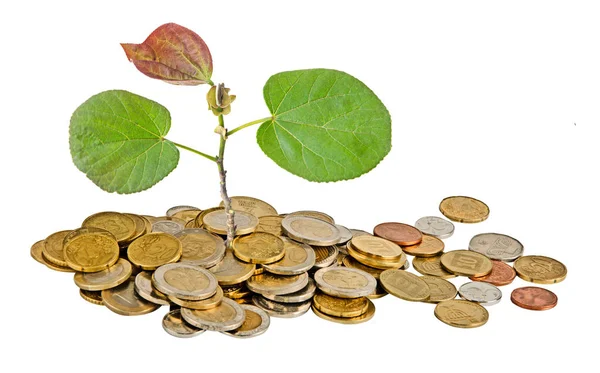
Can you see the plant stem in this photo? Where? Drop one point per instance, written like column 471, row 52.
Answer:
column 214, row 159
column 223, row 182
column 229, row 133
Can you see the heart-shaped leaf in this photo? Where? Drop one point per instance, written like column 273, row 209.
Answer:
column 117, row 140
column 174, row 54
column 326, row 125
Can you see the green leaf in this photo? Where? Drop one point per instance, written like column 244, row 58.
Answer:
column 326, row 125
column 117, row 140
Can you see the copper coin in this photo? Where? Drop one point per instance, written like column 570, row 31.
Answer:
column 534, row 298
column 399, row 233
column 502, row 274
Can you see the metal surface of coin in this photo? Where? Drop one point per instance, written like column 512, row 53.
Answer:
column 53, row 248
column 175, row 209
column 125, row 301
column 106, row 279
column 496, row 246
column 466, row 263
column 185, row 281
column 345, row 234
column 359, row 232
column 480, row 292
column 142, row 226
column 350, row 262
column 120, row 225
column 404, row 285
column 189, row 216
column 345, row 282
column 253, row 206
column 314, row 214
column 439, row 289
column 434, row 226
column 376, row 247
column 378, row 293
column 399, row 233
column 325, row 255
column 540, row 269
column 502, row 274
column 236, row 291
column 201, row 248
column 153, row 250
column 256, row 323
column 311, row 231
column 340, row 307
column 167, row 226
column 36, row 252
column 464, row 209
column 348, row 320
column 203, row 304
column 285, row 310
column 304, row 294
column 277, row 284
column 461, row 313
column 231, row 270
column 90, row 252
column 429, row 246
column 216, row 222
column 298, row 259
column 174, row 324
column 270, row 224
column 198, row 223
column 226, row 316
column 144, row 288
column 376, row 263
column 431, row 267
column 94, row 297
column 534, row 298
column 259, row 247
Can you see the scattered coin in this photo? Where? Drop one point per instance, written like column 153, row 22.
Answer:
column 502, row 274
column 153, row 250
column 375, row 247
column 216, row 222
column 429, row 246
column 404, row 285
column 348, row 320
column 277, row 284
column 120, row 225
column 345, row 282
column 94, row 297
column 374, row 262
column 359, row 232
column 439, row 289
column 236, row 291
column 540, row 269
column 189, row 216
column 36, row 252
column 253, row 206
column 434, row 226
column 53, row 248
column 312, row 231
column 325, row 255
column 142, row 226
column 464, row 209
column 277, row 309
column 256, row 323
column 203, row 304
column 497, row 246
column 461, row 313
column 167, row 226
column 431, row 267
column 231, row 270
column 125, row 301
column 314, row 214
column 176, row 209
column 87, row 251
column 480, row 292
column 534, row 298
column 198, row 222
column 259, row 247
column 145, row 289
column 378, row 293
column 106, row 279
column 340, row 307
column 298, row 259
column 345, row 234
column 185, row 281
column 466, row 263
column 226, row 316
column 302, row 295
column 270, row 224
column 350, row 262
column 174, row 324
column 399, row 233
column 200, row 247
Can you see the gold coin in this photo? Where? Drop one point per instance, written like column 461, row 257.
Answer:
column 255, row 323
column 200, row 247
column 259, row 270
column 89, row 251
column 253, row 206
column 540, row 269
column 431, row 267
column 142, row 226
column 36, row 252
column 125, row 301
column 187, row 215
column 461, row 313
column 340, row 307
column 153, row 250
column 204, row 304
column 376, row 263
column 259, row 247
column 350, row 262
column 429, row 246
column 466, row 263
column 231, row 270
column 298, row 258
column 277, row 284
column 312, row 231
column 200, row 217
column 314, row 214
column 270, row 224
column 376, row 248
column 244, row 300
column 404, row 285
column 236, row 291
column 216, row 222
column 106, row 279
column 120, row 225
column 464, row 209
column 345, row 282
column 439, row 289
column 325, row 255
column 53, row 248
column 94, row 297
column 348, row 320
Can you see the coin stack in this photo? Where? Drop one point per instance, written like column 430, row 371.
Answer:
column 282, row 265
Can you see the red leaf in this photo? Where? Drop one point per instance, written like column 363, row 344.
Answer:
column 173, row 54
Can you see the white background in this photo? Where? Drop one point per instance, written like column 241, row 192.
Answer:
column 495, row 100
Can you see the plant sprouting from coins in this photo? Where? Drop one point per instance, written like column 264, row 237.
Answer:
column 324, row 125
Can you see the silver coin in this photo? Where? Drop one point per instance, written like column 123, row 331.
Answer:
column 200, row 247
column 342, row 249
column 175, row 209
column 406, row 265
column 226, row 316
column 144, row 288
column 301, row 295
column 277, row 284
column 309, row 230
column 167, row 226
column 325, row 255
column 298, row 258
column 345, row 282
column 174, row 324
column 434, row 226
column 109, row 278
column 276, row 309
column 480, row 292
column 185, row 281
column 257, row 322
column 497, row 246
column 359, row 232
column 345, row 234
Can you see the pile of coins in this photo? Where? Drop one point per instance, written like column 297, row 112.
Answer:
column 282, row 265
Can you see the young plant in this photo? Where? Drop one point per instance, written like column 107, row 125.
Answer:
column 324, row 125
